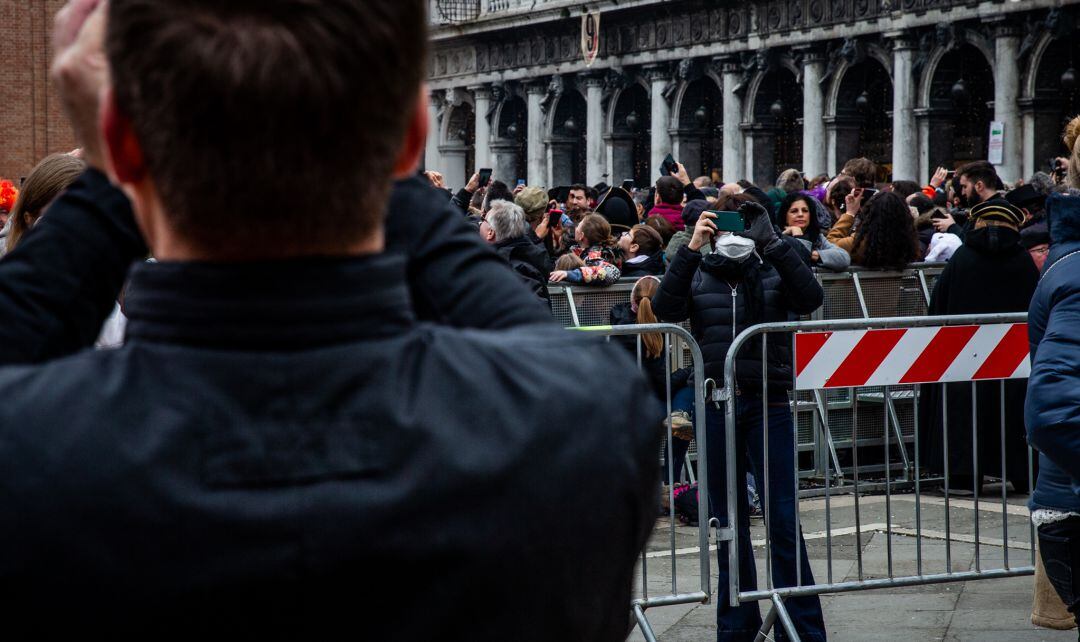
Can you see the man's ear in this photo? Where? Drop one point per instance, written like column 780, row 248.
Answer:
column 122, row 148
column 415, row 143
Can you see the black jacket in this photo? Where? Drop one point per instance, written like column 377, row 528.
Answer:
column 529, row 261
column 655, row 368
column 284, row 449
column 654, row 266
column 989, row 273
column 454, row 277
column 717, row 313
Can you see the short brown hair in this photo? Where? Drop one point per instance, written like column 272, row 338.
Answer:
column 670, row 190
column 249, row 109
column 46, row 181
column 647, row 239
column 980, row 171
column 863, row 170
column 661, row 225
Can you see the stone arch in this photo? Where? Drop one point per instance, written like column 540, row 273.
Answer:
column 630, row 147
column 954, row 132
column 866, row 133
column 1047, row 103
column 1034, row 62
column 698, row 116
column 565, row 136
column 457, row 100
column 832, row 93
column 509, row 129
column 774, row 141
column 979, row 42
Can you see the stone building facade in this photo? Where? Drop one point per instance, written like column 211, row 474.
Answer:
column 745, row 89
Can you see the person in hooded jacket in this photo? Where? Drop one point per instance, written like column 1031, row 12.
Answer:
column 797, row 216
column 506, row 229
column 990, row 273
column 752, row 277
column 1053, row 397
column 642, row 250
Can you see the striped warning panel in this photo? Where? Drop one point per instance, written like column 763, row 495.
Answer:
column 913, row 355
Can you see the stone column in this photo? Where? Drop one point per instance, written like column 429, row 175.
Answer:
column 659, row 78
column 1027, row 114
column 595, row 150
column 815, row 159
column 504, row 161
column 1006, row 97
column 905, row 148
column 734, row 140
column 536, row 155
column 431, row 152
column 453, row 165
column 843, row 139
column 482, row 145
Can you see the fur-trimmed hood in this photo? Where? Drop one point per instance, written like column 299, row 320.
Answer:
column 1063, row 215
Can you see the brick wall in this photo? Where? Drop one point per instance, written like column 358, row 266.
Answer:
column 32, row 124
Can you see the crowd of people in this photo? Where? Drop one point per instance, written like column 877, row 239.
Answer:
column 852, row 219
column 994, row 239
column 289, row 403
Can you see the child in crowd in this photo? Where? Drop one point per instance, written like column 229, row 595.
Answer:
column 598, row 250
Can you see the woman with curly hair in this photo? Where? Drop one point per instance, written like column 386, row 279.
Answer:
column 885, row 237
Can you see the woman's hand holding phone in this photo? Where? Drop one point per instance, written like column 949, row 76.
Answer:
column 703, row 231
column 853, row 201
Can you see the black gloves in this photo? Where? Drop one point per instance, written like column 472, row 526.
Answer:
column 759, row 228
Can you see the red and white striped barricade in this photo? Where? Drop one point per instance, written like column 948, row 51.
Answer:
column 935, row 354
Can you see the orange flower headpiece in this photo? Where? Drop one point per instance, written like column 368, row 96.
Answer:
column 8, row 196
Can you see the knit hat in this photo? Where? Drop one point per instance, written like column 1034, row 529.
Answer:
column 534, row 201
column 998, row 209
column 1038, row 234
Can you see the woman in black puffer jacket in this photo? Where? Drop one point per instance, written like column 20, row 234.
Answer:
column 752, row 277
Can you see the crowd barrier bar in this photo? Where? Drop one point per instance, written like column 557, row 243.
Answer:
column 778, row 615
column 702, row 388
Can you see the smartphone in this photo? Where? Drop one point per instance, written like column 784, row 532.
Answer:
column 867, row 194
column 628, row 185
column 554, row 218
column 485, row 176
column 728, row 221
column 669, row 166
column 521, row 182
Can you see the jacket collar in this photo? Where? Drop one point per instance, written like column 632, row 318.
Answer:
column 281, row 306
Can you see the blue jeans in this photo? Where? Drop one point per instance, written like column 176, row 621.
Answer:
column 743, row 622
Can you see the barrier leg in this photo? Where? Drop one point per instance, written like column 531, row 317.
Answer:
column 643, row 623
column 766, row 626
column 778, row 612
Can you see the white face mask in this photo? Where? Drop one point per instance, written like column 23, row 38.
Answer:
column 734, row 247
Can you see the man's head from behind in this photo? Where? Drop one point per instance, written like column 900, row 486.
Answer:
column 863, row 170
column 669, row 190
column 505, row 221
column 226, row 117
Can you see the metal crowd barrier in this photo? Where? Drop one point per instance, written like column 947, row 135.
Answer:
column 673, row 335
column 855, row 293
column 988, row 343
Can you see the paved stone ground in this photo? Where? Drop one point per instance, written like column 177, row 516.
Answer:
column 984, row 610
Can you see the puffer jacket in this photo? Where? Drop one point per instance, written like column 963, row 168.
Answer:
column 1053, row 399
column 718, row 313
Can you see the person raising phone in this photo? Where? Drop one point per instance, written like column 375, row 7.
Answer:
column 752, row 277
